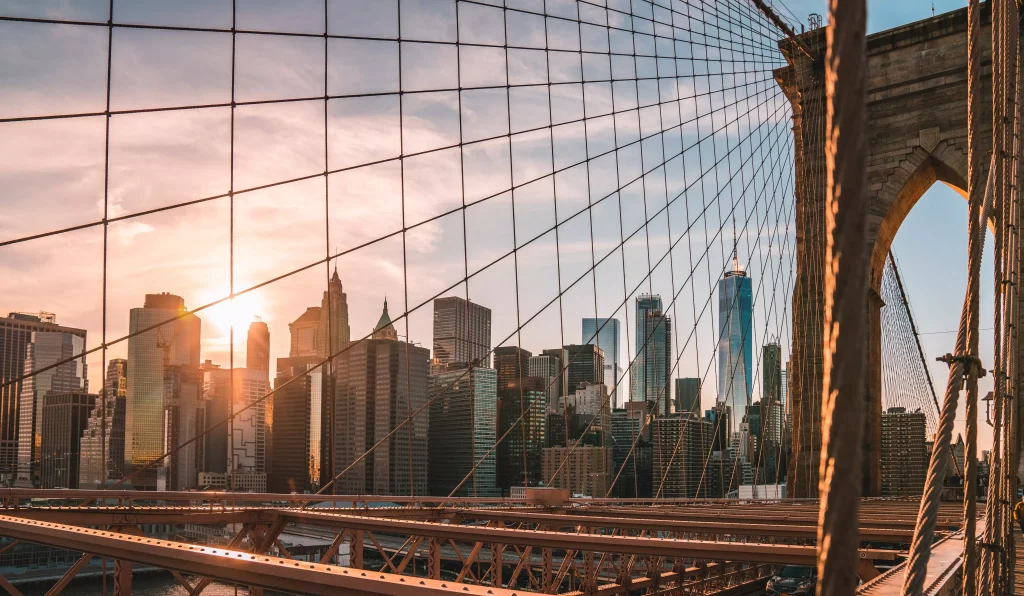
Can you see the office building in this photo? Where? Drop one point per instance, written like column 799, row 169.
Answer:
column 652, row 367
column 305, row 333
column 581, row 469
column 584, row 364
column 631, row 451
column 333, row 332
column 65, row 416
column 462, row 431
column 720, row 418
column 606, row 334
column 548, row 366
column 462, row 331
column 512, row 364
column 103, row 437
column 46, row 348
column 151, row 390
column 765, row 422
column 735, row 339
column 904, row 458
column 589, row 399
column 688, row 396
column 15, row 334
column 379, row 383
column 257, row 347
column 771, row 373
column 294, row 426
column 681, row 443
column 247, row 451
column 522, row 409
column 184, row 419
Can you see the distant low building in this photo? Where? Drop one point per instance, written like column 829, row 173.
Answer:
column 904, row 459
column 583, row 470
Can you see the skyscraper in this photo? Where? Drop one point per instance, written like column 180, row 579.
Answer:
column 46, row 348
column 15, row 334
column 771, row 373
column 305, row 334
column 583, row 364
column 631, row 451
column 735, row 343
column 294, row 424
column 688, row 396
column 184, row 417
column 151, row 389
column 246, row 453
column 333, row 331
column 462, row 331
column 605, row 333
column 652, row 368
column 64, row 418
column 257, row 347
column 548, row 366
column 681, row 444
column 104, row 432
column 904, row 457
column 379, row 383
column 512, row 364
column 462, row 431
column 525, row 401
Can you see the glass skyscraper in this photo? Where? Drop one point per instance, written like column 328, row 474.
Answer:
column 174, row 343
column 649, row 375
column 735, row 339
column 461, row 432
column 605, row 333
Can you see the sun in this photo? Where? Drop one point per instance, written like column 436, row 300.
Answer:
column 238, row 312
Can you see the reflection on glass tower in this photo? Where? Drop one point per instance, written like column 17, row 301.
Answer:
column 735, row 339
column 649, row 375
column 605, row 333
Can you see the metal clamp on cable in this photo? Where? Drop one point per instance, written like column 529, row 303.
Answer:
column 972, row 364
column 992, row 546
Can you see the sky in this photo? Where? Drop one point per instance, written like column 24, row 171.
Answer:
column 52, row 176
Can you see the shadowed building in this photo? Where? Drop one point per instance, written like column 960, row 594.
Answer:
column 904, row 459
column 104, row 432
column 294, row 414
column 681, row 442
column 463, row 424
column 652, row 368
column 15, row 334
column 257, row 347
column 65, row 417
column 522, row 409
column 512, row 364
column 462, row 331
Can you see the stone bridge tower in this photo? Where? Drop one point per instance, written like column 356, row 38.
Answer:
column 917, row 136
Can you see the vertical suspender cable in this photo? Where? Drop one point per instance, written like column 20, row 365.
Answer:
column 846, row 294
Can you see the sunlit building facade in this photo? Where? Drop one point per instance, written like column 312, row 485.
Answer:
column 151, row 393
column 104, row 433
column 248, row 446
column 462, row 331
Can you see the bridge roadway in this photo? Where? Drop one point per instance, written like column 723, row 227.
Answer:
column 743, row 535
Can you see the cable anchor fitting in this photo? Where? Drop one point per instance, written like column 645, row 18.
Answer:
column 972, row 364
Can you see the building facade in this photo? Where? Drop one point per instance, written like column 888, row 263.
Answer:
column 606, row 333
column 904, row 457
column 512, row 364
column 735, row 339
column 522, row 415
column 246, row 452
column 688, row 396
column 150, row 390
column 16, row 331
column 631, row 451
column 462, row 331
column 652, row 367
column 294, row 418
column 462, row 431
column 46, row 348
column 681, row 445
column 257, row 347
column 65, row 417
column 583, row 470
column 305, row 333
column 548, row 366
column 584, row 364
column 379, row 383
column 333, row 331
column 103, row 437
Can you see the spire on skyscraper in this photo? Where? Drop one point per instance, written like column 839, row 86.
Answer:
column 385, row 329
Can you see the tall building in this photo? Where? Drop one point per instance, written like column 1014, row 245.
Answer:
column 589, row 399
column 720, row 418
column 294, row 425
column 257, row 347
column 631, row 451
column 46, row 348
column 379, row 383
column 681, row 444
column 688, row 396
column 652, row 367
column 606, row 334
column 462, row 331
column 333, row 331
column 15, row 334
column 150, row 390
column 524, row 401
column 583, row 364
column 305, row 333
column 65, row 416
column 462, row 431
column 735, row 339
column 771, row 373
column 246, row 452
column 104, row 433
column 184, row 418
column 512, row 364
column 904, row 458
column 548, row 366
column 582, row 469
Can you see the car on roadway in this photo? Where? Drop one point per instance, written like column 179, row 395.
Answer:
column 793, row 580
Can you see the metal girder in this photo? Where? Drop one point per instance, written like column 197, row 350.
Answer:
column 687, row 549
column 233, row 566
column 87, row 516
